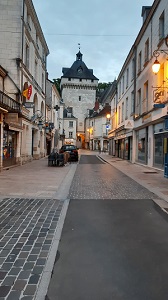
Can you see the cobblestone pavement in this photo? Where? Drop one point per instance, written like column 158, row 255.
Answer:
column 33, row 202
column 27, row 230
column 95, row 180
column 151, row 178
column 32, row 198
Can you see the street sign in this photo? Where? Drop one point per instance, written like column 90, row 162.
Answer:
column 29, row 104
column 159, row 105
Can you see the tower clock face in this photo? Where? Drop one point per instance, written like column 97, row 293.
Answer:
column 80, row 70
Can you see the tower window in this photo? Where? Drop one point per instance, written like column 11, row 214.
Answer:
column 79, row 98
column 70, row 134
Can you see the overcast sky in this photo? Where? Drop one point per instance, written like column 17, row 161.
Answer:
column 105, row 29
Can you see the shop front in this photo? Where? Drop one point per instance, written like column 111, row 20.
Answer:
column 142, row 146
column 9, row 148
column 158, row 155
column 123, row 146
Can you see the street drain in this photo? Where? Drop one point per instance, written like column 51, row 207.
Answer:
column 150, row 172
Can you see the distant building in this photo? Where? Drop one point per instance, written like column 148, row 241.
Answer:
column 78, row 87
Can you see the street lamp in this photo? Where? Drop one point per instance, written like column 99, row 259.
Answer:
column 88, row 130
column 156, row 53
column 42, row 123
column 108, row 117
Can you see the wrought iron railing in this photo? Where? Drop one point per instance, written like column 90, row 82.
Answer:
column 9, row 103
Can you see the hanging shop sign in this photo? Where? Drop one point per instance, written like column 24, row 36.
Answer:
column 29, row 104
column 27, row 93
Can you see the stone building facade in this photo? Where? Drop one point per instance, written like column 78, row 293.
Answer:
column 23, row 52
column 78, row 87
column 139, row 108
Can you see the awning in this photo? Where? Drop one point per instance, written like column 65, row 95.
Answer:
column 3, row 110
column 15, row 126
column 15, row 129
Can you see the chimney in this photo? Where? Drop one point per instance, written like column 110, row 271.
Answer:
column 145, row 12
column 96, row 105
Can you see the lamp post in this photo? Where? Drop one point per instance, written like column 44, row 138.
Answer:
column 107, row 125
column 155, row 69
column 88, row 130
column 107, row 122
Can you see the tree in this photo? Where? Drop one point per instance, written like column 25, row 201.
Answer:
column 103, row 85
column 57, row 84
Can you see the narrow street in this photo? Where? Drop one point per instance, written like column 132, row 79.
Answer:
column 114, row 241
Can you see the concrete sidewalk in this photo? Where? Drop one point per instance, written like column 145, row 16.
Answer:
column 150, row 178
column 34, row 179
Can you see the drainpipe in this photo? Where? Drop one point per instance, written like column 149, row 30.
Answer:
column 21, row 72
column 22, row 46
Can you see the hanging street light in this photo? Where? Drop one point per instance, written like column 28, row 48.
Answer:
column 156, row 53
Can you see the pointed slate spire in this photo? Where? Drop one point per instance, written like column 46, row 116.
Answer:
column 79, row 54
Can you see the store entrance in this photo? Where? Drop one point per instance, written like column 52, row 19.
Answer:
column 9, row 147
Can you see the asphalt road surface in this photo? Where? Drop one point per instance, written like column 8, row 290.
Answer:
column 114, row 242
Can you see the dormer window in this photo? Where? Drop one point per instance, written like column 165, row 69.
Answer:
column 80, row 70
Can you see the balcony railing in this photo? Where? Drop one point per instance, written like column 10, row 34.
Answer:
column 8, row 103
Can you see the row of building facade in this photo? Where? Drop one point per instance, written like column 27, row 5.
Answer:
column 29, row 102
column 34, row 118
column 139, row 103
column 129, row 119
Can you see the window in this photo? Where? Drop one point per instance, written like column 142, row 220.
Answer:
column 123, row 84
column 147, row 51
column 127, row 78
column 80, row 79
column 28, row 22
column 119, row 115
column 70, row 134
column 79, row 98
column 126, row 108
column 120, row 89
column 133, row 68
column 139, row 102
column 43, row 56
column 42, row 82
column 35, row 70
column 145, row 98
column 37, row 41
column 132, row 102
column 69, row 79
column 70, row 109
column 27, row 56
column 70, row 123
column 122, row 117
column 161, row 26
column 139, row 61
